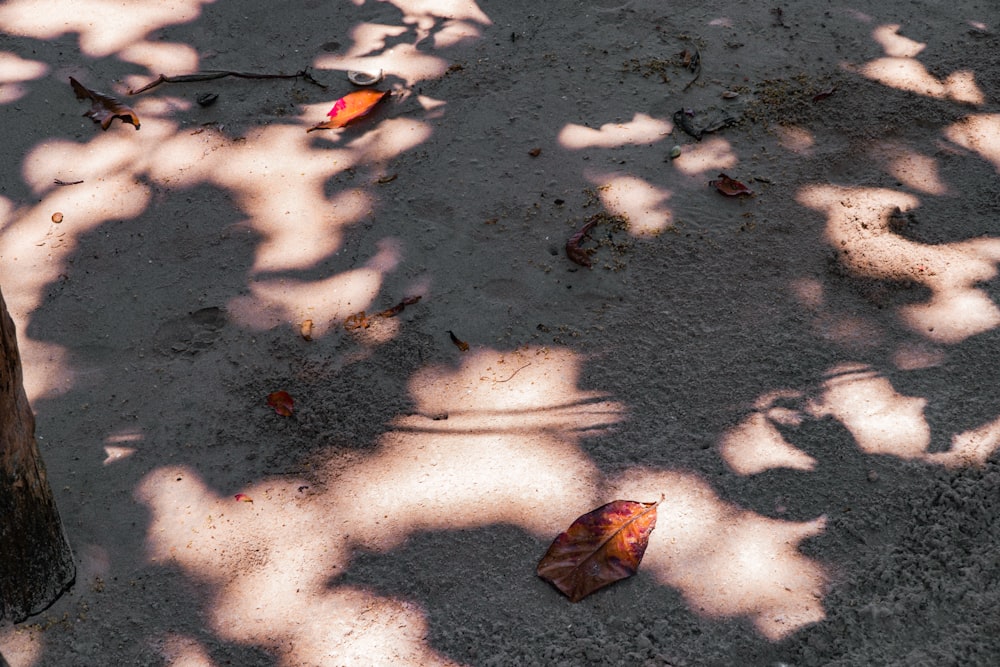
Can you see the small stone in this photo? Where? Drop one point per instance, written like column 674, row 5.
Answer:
column 675, row 152
column 872, row 476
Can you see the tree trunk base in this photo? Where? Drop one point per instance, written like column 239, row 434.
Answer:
column 36, row 563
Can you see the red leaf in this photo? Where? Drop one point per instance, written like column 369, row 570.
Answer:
column 243, row 498
column 576, row 254
column 351, row 107
column 104, row 108
column 282, row 402
column 599, row 548
column 730, row 187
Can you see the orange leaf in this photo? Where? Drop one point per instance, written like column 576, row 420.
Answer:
column 599, row 548
column 357, row 321
column 104, row 108
column 282, row 402
column 243, row 498
column 350, row 107
column 730, row 187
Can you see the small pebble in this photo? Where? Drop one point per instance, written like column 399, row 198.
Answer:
column 675, row 152
column 872, row 476
column 57, row 217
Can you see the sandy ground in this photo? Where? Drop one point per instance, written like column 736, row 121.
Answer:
column 808, row 375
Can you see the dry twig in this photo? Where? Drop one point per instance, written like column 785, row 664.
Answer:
column 211, row 75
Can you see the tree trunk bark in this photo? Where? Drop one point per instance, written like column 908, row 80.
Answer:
column 36, row 564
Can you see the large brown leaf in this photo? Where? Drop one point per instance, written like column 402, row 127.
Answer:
column 599, row 548
column 103, row 108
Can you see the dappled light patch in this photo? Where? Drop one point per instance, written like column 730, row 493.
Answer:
column 22, row 645
column 914, row 170
column 894, row 44
column 425, row 13
column 104, row 26
column 902, row 71
column 159, row 58
column 796, row 139
column 972, row 447
column 917, row 355
column 116, row 453
column 402, row 61
column 642, row 129
column 14, row 70
column 980, row 134
column 121, row 445
column 859, row 228
column 710, row 155
column 728, row 562
column 84, row 208
column 493, row 441
column 278, row 178
column 275, row 301
column 881, row 420
column 639, row 202
column 183, row 651
column 266, row 565
column 756, row 445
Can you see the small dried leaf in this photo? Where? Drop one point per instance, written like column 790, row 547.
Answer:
column 599, row 548
column 823, row 94
column 392, row 312
column 351, row 107
column 306, row 329
column 104, row 108
column 730, row 187
column 243, row 498
column 398, row 308
column 460, row 344
column 576, row 254
column 282, row 402
column 357, row 321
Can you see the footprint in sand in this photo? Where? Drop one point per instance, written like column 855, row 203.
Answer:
column 191, row 333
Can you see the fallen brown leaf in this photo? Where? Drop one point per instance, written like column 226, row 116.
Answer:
column 282, row 402
column 599, row 548
column 103, row 108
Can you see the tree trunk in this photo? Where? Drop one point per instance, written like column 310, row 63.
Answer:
column 36, row 564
